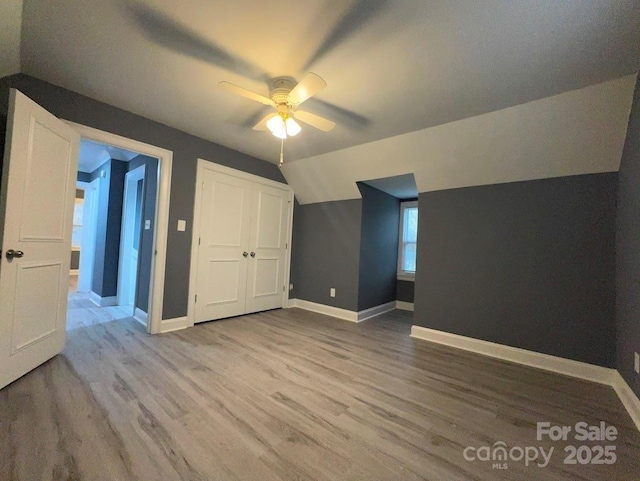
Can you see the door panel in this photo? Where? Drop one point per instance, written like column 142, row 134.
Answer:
column 268, row 230
column 224, row 238
column 34, row 312
column 36, row 208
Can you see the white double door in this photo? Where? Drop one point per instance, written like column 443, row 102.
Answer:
column 242, row 246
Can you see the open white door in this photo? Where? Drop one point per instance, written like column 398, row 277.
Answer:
column 130, row 237
column 36, row 207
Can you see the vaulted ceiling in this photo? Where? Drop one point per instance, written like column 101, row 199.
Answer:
column 392, row 66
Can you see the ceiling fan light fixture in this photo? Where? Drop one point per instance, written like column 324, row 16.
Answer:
column 283, row 126
column 277, row 127
column 293, row 127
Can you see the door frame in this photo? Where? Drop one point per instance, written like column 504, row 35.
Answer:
column 206, row 164
column 161, row 227
column 127, row 232
column 89, row 226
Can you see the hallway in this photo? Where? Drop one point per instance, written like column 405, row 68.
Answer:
column 82, row 312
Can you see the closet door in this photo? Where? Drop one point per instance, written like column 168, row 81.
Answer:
column 223, row 255
column 265, row 280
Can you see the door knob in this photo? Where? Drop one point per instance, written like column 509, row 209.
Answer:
column 253, row 254
column 11, row 254
column 245, row 254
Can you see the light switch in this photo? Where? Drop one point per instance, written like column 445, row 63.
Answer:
column 182, row 225
column 147, row 224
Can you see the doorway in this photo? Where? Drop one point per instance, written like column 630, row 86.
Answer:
column 109, row 259
column 148, row 288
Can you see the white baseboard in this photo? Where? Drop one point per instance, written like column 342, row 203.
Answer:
column 569, row 367
column 628, row 398
column 560, row 365
column 74, row 272
column 168, row 325
column 404, row 306
column 103, row 301
column 375, row 311
column 351, row 316
column 291, row 303
column 345, row 314
column 140, row 316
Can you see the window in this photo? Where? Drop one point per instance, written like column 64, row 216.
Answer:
column 408, row 238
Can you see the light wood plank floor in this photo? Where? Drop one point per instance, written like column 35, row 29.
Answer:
column 82, row 312
column 290, row 395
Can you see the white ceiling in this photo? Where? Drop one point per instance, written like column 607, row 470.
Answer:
column 402, row 187
column 94, row 154
column 392, row 66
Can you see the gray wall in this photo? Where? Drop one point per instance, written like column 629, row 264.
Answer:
column 628, row 251
column 326, row 252
column 145, row 254
column 186, row 149
column 405, row 291
column 526, row 264
column 378, row 247
column 107, row 254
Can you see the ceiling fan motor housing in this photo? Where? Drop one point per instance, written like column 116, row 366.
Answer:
column 280, row 92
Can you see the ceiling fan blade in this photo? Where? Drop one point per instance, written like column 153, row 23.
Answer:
column 262, row 125
column 246, row 93
column 315, row 120
column 310, row 85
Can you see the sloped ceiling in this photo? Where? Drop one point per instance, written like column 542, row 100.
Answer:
column 10, row 28
column 392, row 66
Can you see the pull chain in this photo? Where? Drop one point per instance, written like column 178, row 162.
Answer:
column 281, row 153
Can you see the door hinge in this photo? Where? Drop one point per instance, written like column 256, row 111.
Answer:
column 196, row 298
column 199, row 239
column 286, row 246
column 283, row 288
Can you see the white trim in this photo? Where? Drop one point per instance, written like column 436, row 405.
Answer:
column 628, row 397
column 376, row 311
column 344, row 314
column 539, row 360
column 140, row 316
column 165, row 163
column 127, row 235
column 170, row 325
column 406, row 276
column 89, row 227
column 74, row 272
column 103, row 301
column 242, row 174
column 195, row 234
column 404, row 306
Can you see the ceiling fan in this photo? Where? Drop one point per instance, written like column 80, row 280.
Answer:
column 286, row 97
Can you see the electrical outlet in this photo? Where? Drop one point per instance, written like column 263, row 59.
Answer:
column 147, row 224
column 332, row 292
column 290, row 287
column 636, row 362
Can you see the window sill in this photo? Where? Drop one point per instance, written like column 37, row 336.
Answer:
column 403, row 276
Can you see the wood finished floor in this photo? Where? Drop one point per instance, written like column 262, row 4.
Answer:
column 82, row 312
column 289, row 395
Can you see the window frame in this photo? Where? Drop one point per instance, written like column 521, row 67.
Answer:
column 402, row 274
